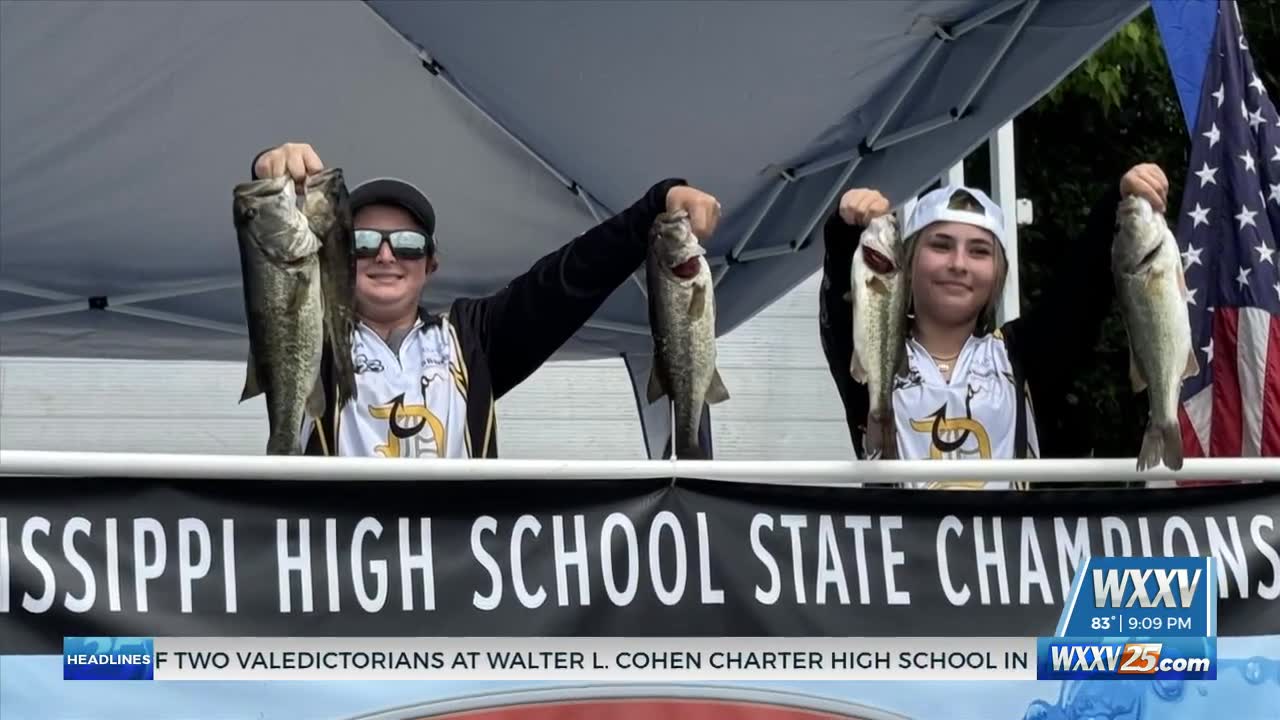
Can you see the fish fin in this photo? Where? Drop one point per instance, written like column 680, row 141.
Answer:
column 655, row 390
column 878, row 284
column 856, row 371
column 1135, row 374
column 252, row 388
column 716, row 391
column 1193, row 366
column 1161, row 444
column 316, row 400
column 697, row 301
column 298, row 299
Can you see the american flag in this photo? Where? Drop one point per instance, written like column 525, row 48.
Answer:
column 1227, row 233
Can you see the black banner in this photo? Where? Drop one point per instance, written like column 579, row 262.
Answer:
column 552, row 558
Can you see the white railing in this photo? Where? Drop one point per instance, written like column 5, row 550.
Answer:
column 780, row 472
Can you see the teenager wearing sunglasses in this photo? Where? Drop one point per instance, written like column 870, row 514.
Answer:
column 426, row 384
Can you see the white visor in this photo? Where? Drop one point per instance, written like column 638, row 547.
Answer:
column 933, row 208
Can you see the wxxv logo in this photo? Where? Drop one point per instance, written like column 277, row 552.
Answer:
column 1121, row 658
column 1152, row 617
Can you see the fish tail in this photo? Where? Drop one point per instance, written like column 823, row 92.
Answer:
column 889, row 438
column 1161, row 444
column 283, row 444
column 685, row 451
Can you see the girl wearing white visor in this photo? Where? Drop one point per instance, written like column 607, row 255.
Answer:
column 970, row 388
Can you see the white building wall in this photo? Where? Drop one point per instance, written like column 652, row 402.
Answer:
column 783, row 405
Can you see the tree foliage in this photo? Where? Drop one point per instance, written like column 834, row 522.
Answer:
column 1118, row 108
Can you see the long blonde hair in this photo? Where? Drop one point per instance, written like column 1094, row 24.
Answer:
column 987, row 316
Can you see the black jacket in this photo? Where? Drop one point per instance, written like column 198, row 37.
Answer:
column 1046, row 347
column 504, row 337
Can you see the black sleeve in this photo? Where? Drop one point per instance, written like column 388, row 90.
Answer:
column 253, row 166
column 525, row 323
column 1057, row 340
column 835, row 323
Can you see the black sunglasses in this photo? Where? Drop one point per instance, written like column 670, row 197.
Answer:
column 405, row 244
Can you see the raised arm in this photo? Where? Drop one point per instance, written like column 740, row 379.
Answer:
column 522, row 325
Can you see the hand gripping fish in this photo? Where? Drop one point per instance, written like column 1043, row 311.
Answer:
column 284, row 307
column 1153, row 301
column 682, row 318
column 879, row 295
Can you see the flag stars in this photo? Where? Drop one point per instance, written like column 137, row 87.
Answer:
column 1276, row 157
column 1256, row 83
column 1256, row 119
column 1200, row 215
column 1208, row 351
column 1245, row 217
column 1247, row 157
column 1264, row 253
column 1191, row 256
column 1214, row 134
column 1209, row 174
column 1221, row 94
column 1277, row 288
column 1243, row 276
column 1191, row 296
column 1275, row 193
column 1244, row 111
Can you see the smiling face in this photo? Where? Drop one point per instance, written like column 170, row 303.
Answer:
column 389, row 288
column 957, row 272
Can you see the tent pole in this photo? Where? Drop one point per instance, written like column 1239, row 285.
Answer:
column 1005, row 193
column 611, row 326
column 984, row 17
column 770, row 199
column 1005, row 43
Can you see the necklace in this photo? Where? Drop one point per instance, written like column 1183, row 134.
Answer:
column 944, row 363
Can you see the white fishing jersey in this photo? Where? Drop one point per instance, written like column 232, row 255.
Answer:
column 971, row 416
column 410, row 401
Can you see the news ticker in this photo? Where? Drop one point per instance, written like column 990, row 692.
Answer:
column 626, row 659
column 682, row 659
column 1125, row 618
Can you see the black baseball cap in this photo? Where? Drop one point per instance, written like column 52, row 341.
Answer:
column 393, row 191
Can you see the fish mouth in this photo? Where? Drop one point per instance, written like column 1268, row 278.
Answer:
column 262, row 188
column 1150, row 257
column 688, row 269
column 877, row 261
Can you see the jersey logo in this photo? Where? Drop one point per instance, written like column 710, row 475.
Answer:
column 948, row 436
column 405, row 424
column 366, row 364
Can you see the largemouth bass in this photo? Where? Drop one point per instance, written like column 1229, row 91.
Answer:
column 1153, row 301
column 328, row 210
column 682, row 318
column 879, row 295
column 284, row 307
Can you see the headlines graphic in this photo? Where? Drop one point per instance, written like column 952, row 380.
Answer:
column 618, row 660
column 107, row 658
column 1136, row 617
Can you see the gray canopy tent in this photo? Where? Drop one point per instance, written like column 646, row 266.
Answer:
column 124, row 126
